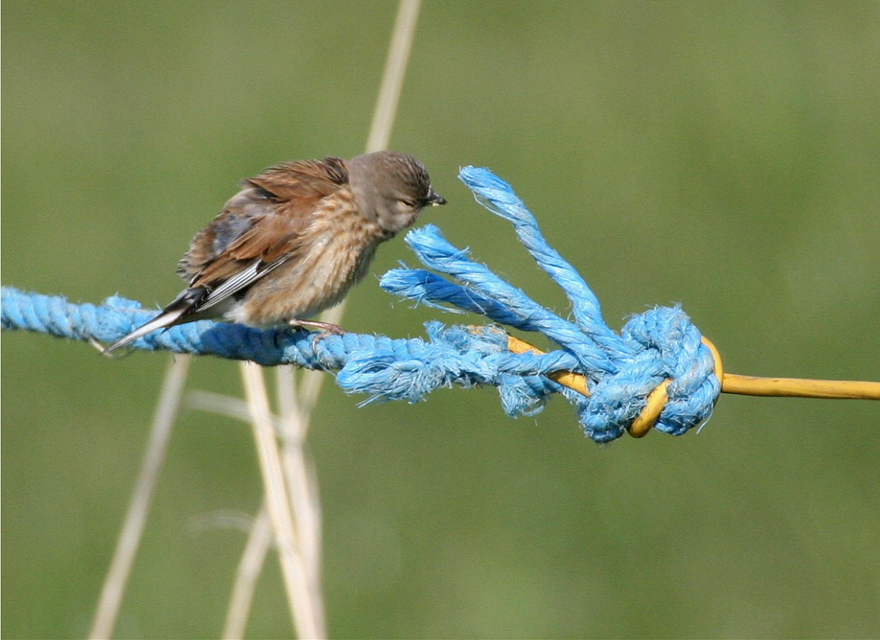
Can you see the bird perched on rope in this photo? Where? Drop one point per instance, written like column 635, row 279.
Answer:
column 294, row 240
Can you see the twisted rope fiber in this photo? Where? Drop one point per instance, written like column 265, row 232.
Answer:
column 660, row 344
column 384, row 368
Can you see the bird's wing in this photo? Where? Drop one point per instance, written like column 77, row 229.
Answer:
column 301, row 184
column 260, row 228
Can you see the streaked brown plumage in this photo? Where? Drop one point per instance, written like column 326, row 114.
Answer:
column 294, row 240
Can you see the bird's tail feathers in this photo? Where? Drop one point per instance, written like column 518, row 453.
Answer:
column 181, row 307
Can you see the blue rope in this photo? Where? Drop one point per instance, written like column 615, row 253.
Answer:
column 622, row 369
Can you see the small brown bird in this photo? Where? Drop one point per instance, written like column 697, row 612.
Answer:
column 294, row 240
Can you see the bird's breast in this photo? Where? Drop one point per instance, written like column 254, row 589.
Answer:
column 334, row 253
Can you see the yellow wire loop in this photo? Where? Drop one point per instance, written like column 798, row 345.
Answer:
column 730, row 383
column 646, row 420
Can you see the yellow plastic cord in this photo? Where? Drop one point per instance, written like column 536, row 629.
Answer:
column 795, row 387
column 566, row 378
column 730, row 383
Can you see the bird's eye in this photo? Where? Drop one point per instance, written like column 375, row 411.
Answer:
column 409, row 203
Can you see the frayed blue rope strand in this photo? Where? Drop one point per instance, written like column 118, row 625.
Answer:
column 622, row 369
column 436, row 252
column 498, row 197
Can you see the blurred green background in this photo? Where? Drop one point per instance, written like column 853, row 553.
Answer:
column 722, row 155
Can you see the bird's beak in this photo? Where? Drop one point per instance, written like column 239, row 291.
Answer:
column 434, row 198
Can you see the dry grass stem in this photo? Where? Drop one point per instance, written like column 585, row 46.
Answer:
column 279, row 506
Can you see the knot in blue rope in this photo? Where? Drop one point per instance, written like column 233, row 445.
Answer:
column 665, row 345
column 622, row 370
